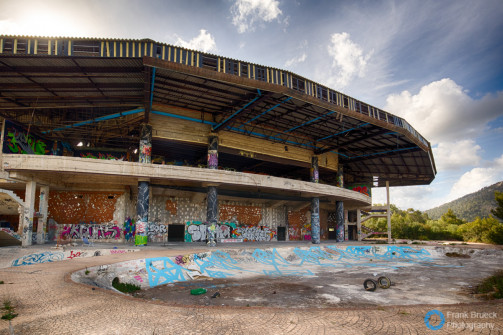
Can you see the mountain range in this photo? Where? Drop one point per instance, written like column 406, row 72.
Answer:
column 471, row 205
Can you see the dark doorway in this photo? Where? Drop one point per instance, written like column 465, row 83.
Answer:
column 281, row 233
column 332, row 224
column 176, row 233
column 352, row 233
column 332, row 234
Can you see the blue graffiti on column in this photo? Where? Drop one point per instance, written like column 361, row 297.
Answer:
column 42, row 257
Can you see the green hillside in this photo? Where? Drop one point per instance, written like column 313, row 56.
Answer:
column 471, row 205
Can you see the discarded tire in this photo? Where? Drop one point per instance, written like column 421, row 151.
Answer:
column 384, row 282
column 370, row 285
column 198, row 291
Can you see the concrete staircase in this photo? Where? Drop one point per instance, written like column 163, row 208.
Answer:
column 374, row 212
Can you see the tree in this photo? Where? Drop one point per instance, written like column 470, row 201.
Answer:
column 498, row 211
column 450, row 218
column 486, row 230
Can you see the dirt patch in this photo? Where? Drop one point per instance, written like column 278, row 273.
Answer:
column 457, row 255
column 271, row 292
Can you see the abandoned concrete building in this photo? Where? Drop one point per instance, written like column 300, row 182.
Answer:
column 137, row 141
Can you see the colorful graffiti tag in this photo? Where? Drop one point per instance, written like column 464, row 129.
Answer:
column 156, row 230
column 108, row 155
column 19, row 141
column 362, row 188
column 129, row 229
column 256, row 233
column 196, row 231
column 43, row 257
column 92, row 231
column 274, row 262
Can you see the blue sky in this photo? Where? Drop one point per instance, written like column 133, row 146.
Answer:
column 438, row 64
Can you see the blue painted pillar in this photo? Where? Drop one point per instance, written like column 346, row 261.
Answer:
column 340, row 176
column 213, row 152
column 212, row 196
column 315, row 220
column 315, row 173
column 142, row 213
column 212, row 214
column 142, row 204
column 315, row 203
column 145, row 144
column 339, row 226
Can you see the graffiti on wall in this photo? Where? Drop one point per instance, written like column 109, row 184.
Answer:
column 129, row 229
column 196, row 231
column 18, row 140
column 91, row 231
column 42, row 257
column 105, row 155
column 11, row 233
column 219, row 264
column 256, row 233
column 156, row 230
column 299, row 225
column 361, row 188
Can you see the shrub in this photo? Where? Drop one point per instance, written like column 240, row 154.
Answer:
column 8, row 309
column 124, row 287
column 487, row 230
column 492, row 286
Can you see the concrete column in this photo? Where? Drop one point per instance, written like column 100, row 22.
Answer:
column 29, row 210
column 142, row 207
column 315, row 220
column 340, row 176
column 145, row 144
column 212, row 196
column 339, row 228
column 315, row 172
column 359, row 224
column 287, row 225
column 388, row 211
column 42, row 210
column 212, row 214
column 213, row 152
column 346, row 223
column 1, row 143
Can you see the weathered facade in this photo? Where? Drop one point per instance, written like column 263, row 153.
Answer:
column 134, row 140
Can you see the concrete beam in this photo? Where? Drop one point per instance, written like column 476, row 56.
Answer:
column 277, row 204
column 84, row 168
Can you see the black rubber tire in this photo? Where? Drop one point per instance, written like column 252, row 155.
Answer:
column 370, row 285
column 384, row 282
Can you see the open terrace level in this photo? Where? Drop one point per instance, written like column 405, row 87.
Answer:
column 141, row 141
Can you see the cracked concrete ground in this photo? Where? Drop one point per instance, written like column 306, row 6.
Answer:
column 49, row 302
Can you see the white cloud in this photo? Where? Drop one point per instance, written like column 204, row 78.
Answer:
column 203, row 42
column 296, row 60
column 417, row 197
column 348, row 60
column 443, row 111
column 454, row 155
column 246, row 13
column 477, row 178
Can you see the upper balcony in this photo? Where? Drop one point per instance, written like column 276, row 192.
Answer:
column 100, row 90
